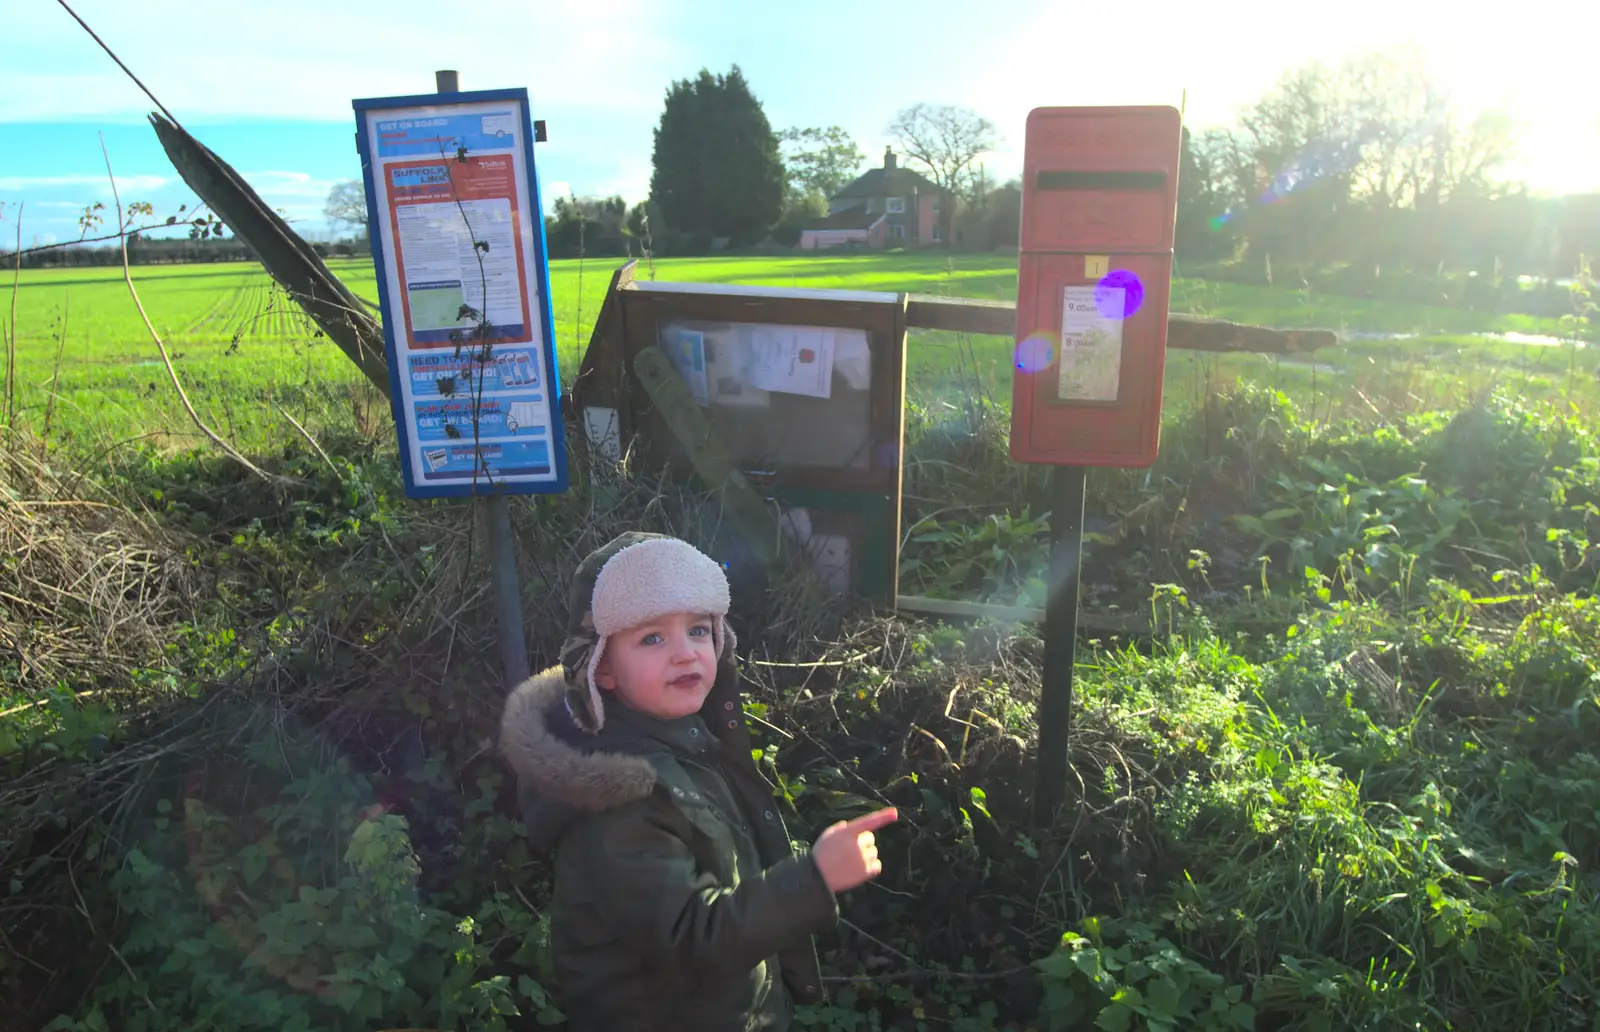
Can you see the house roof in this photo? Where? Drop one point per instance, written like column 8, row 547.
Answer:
column 888, row 182
column 850, row 218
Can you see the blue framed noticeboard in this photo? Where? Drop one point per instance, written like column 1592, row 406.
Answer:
column 457, row 233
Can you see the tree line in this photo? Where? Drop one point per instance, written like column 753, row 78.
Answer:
column 722, row 176
column 1365, row 177
column 143, row 250
column 1368, row 177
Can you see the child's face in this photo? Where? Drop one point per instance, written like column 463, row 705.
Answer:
column 664, row 668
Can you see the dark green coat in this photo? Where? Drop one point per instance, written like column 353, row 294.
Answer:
column 678, row 895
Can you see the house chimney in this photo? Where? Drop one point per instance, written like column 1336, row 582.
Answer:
column 888, row 158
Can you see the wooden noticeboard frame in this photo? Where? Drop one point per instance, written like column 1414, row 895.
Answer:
column 863, row 494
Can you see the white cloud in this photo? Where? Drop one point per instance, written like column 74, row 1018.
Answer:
column 631, row 183
column 137, row 184
column 289, row 184
column 361, row 49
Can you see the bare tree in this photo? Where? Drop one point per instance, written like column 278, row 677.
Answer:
column 347, row 205
column 1419, row 149
column 946, row 142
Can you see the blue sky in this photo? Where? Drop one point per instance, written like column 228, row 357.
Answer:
column 268, row 85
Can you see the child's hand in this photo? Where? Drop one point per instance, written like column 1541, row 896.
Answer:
column 847, row 854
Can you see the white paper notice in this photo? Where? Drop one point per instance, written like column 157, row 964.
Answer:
column 442, row 269
column 725, row 369
column 789, row 359
column 853, row 358
column 1091, row 344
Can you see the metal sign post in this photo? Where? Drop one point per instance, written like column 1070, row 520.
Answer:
column 457, row 234
column 1060, row 640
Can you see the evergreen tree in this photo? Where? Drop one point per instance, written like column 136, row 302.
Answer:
column 717, row 170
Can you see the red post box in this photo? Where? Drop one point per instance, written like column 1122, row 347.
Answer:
column 1094, row 277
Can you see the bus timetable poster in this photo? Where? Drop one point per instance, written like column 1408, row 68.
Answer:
column 463, row 283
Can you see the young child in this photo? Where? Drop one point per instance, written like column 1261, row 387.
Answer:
column 679, row 901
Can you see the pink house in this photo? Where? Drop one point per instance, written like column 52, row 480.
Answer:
column 849, row 228
column 883, row 207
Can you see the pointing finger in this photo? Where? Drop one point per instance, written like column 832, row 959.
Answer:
column 875, row 820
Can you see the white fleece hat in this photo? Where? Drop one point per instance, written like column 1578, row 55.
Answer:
column 650, row 578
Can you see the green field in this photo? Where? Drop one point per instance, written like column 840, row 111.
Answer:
column 245, row 353
column 1335, row 701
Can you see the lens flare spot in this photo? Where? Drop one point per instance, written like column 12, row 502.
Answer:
column 1034, row 354
column 1119, row 294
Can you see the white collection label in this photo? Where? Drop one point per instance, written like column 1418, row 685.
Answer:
column 1090, row 368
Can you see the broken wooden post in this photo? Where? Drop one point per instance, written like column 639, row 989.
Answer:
column 292, row 262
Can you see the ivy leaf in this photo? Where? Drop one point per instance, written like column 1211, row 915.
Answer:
column 255, row 863
column 1115, row 1018
column 1162, row 994
column 1088, row 962
column 192, row 947
column 1059, row 965
column 361, row 936
column 1128, row 996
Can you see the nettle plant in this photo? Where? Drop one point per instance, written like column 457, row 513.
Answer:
column 1145, row 982
column 295, row 908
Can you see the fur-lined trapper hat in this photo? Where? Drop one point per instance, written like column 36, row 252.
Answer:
column 635, row 578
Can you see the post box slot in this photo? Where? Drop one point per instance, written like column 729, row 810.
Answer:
column 1062, row 179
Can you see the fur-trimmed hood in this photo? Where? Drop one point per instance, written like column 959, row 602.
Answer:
column 559, row 761
column 564, row 769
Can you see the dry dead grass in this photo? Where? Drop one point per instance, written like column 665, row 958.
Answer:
column 89, row 588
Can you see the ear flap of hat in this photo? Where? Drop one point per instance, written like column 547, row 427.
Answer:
column 580, row 656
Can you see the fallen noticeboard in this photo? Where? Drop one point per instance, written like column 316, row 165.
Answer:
column 801, row 391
